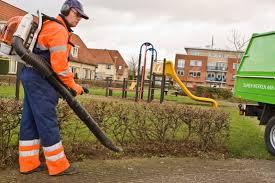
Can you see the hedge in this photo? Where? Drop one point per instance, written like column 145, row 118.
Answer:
column 140, row 129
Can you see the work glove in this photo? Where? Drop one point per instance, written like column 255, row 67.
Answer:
column 77, row 90
column 85, row 89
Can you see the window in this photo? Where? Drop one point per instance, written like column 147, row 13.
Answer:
column 195, row 74
column 119, row 67
column 96, row 66
column 181, row 63
column 12, row 67
column 197, row 63
column 211, row 64
column 75, row 51
column 216, row 55
column 108, row 66
column 180, row 72
column 1, row 25
column 73, row 69
column 221, row 66
column 87, row 73
column 235, row 66
column 195, row 52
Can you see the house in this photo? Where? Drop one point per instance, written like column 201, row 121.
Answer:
column 120, row 65
column 8, row 66
column 109, row 64
column 81, row 61
column 208, row 67
column 105, row 67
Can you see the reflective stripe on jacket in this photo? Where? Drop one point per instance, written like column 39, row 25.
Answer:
column 53, row 45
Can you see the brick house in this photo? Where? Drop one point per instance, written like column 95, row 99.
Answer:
column 120, row 65
column 81, row 61
column 109, row 63
column 8, row 66
column 207, row 67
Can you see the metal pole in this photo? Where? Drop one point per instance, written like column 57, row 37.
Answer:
column 163, row 82
column 151, row 70
column 107, row 87
column 123, row 87
column 153, row 88
column 143, row 74
column 17, row 85
column 110, row 90
column 126, row 88
column 138, row 73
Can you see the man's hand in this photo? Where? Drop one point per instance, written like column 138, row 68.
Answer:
column 78, row 90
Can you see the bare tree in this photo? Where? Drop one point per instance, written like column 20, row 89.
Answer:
column 133, row 64
column 238, row 43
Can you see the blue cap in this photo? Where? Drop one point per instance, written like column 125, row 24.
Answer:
column 77, row 6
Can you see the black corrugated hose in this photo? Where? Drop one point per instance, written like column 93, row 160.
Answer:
column 41, row 66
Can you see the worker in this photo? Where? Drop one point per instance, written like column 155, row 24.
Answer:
column 39, row 125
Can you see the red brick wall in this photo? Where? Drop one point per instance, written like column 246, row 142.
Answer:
column 192, row 81
column 203, row 69
column 230, row 72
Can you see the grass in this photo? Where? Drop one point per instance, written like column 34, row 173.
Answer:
column 246, row 136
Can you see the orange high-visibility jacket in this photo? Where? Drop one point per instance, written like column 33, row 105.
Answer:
column 53, row 45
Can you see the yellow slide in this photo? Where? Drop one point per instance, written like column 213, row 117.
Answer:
column 132, row 86
column 170, row 71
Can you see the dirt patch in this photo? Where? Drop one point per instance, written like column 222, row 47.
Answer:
column 158, row 170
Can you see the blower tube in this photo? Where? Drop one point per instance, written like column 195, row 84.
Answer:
column 41, row 66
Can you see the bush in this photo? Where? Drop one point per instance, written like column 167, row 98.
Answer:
column 215, row 93
column 141, row 129
column 10, row 113
column 155, row 129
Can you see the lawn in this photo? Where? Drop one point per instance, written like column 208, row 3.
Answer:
column 246, row 136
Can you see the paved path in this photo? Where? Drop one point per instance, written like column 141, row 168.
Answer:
column 158, row 170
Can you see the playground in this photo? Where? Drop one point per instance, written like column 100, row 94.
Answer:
column 163, row 70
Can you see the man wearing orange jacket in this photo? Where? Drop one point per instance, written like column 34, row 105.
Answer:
column 39, row 125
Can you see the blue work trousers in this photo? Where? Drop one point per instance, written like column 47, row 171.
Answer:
column 39, row 119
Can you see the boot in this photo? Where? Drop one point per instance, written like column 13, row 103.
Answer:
column 41, row 168
column 70, row 171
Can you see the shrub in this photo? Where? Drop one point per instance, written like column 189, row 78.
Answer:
column 216, row 93
column 152, row 127
column 141, row 129
column 10, row 113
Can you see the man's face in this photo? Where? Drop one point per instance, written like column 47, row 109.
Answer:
column 73, row 18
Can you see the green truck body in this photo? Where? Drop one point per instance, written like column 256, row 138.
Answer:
column 255, row 79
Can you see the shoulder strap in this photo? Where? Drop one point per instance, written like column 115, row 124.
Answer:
column 46, row 17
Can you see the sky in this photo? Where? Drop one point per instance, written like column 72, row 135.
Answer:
column 170, row 25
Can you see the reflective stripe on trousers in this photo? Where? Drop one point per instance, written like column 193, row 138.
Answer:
column 29, row 154
column 55, row 158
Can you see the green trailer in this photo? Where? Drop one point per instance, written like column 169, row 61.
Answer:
column 255, row 81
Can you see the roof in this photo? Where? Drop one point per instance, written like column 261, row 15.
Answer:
column 84, row 55
column 102, row 56
column 8, row 11
column 211, row 49
column 119, row 61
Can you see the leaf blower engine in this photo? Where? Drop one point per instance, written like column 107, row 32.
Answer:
column 17, row 39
